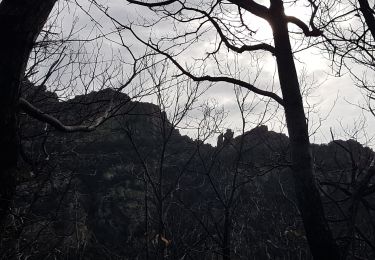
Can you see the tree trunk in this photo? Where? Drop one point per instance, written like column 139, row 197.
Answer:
column 319, row 236
column 226, row 236
column 20, row 23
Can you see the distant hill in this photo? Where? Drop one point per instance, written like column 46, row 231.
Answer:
column 100, row 195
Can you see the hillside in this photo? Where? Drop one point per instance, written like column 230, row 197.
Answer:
column 136, row 186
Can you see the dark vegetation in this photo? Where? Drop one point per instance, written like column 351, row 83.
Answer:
column 87, row 172
column 96, row 195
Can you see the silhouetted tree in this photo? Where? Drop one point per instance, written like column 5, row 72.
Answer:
column 22, row 22
column 349, row 38
column 226, row 21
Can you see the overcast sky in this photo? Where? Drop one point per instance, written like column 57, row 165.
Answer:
column 336, row 98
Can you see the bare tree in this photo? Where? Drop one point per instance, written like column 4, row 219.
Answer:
column 21, row 23
column 349, row 39
column 57, row 63
column 225, row 21
column 163, row 168
column 346, row 180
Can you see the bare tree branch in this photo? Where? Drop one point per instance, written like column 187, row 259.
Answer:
column 36, row 113
column 152, row 4
column 255, row 47
column 238, row 82
column 304, row 27
column 253, row 7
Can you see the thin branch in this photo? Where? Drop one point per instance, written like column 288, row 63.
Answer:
column 237, row 82
column 261, row 46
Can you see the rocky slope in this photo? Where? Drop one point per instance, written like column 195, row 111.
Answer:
column 135, row 188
